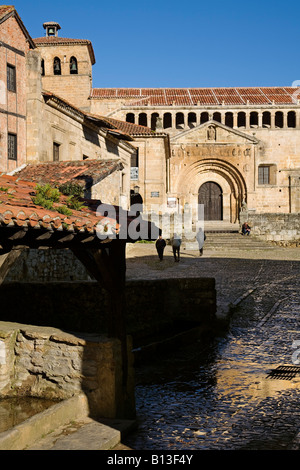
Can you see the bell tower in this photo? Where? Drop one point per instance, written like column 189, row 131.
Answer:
column 51, row 28
column 66, row 65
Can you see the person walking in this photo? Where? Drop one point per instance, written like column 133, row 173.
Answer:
column 176, row 242
column 160, row 246
column 200, row 237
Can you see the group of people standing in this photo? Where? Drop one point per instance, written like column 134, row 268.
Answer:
column 176, row 243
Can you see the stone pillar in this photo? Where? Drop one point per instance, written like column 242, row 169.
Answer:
column 34, row 106
column 272, row 119
column 235, row 120
column 247, row 119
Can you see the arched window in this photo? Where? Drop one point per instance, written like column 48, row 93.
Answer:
column 179, row 120
column 130, row 117
column 191, row 119
column 217, row 117
column 204, row 117
column 167, row 120
column 241, row 119
column 266, row 119
column 143, row 119
column 229, row 119
column 42, row 67
column 73, row 65
column 154, row 117
column 254, row 119
column 291, row 119
column 56, row 66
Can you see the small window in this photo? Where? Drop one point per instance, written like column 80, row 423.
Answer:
column 11, row 78
column 55, row 152
column 267, row 174
column 73, row 65
column 263, row 175
column 12, row 151
column 56, row 66
column 42, row 67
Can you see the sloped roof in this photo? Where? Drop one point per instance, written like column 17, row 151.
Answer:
column 198, row 96
column 129, row 128
column 18, row 209
column 95, row 119
column 86, row 173
column 19, row 212
column 58, row 41
column 6, row 11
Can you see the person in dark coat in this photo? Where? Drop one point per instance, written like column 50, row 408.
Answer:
column 160, row 246
column 246, row 229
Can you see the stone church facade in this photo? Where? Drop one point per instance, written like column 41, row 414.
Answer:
column 230, row 149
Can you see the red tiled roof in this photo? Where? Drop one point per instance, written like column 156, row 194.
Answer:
column 129, row 128
column 56, row 40
column 194, row 96
column 18, row 209
column 96, row 119
column 84, row 172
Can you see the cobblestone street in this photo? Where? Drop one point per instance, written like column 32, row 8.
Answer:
column 221, row 397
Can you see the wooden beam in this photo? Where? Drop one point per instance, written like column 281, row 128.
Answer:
column 6, row 262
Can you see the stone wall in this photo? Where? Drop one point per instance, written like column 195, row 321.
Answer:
column 47, row 265
column 274, row 227
column 83, row 306
column 50, row 363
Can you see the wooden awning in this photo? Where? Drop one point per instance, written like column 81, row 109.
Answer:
column 97, row 234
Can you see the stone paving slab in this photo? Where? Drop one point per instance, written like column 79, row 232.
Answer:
column 86, row 434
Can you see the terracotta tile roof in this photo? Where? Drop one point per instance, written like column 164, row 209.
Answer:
column 96, row 119
column 18, row 209
column 58, row 41
column 86, row 173
column 129, row 128
column 197, row 96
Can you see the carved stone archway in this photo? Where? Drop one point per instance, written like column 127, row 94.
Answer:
column 224, row 174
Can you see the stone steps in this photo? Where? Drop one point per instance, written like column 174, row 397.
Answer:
column 218, row 241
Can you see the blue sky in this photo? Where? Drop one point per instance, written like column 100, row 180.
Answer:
column 179, row 44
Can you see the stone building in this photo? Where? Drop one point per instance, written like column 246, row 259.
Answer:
column 38, row 126
column 229, row 149
column 15, row 42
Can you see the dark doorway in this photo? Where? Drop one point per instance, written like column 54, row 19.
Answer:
column 210, row 194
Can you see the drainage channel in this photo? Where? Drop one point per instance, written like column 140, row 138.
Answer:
column 221, row 396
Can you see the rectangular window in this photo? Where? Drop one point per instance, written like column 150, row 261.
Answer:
column 263, row 175
column 11, row 78
column 12, row 150
column 55, row 152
